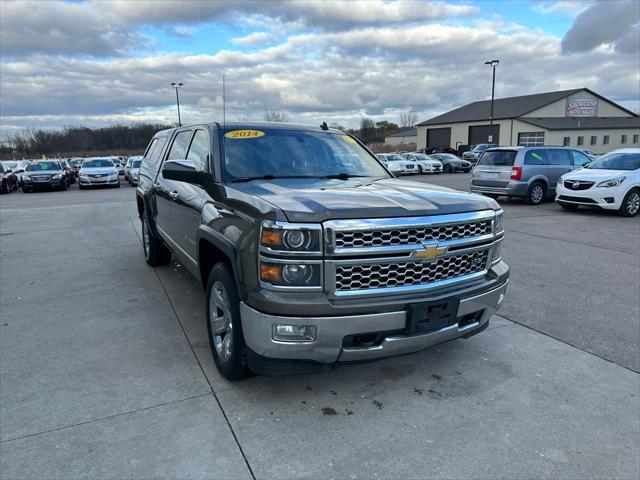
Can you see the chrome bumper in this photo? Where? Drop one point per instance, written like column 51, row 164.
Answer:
column 328, row 347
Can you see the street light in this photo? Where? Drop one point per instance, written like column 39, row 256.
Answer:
column 176, row 86
column 493, row 64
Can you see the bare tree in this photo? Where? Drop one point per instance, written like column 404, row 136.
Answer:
column 276, row 116
column 408, row 118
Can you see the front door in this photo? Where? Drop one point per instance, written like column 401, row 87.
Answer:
column 558, row 163
column 188, row 200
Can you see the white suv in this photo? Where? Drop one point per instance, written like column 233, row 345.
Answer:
column 611, row 182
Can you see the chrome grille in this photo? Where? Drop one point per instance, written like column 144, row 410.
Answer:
column 41, row 178
column 410, row 235
column 371, row 276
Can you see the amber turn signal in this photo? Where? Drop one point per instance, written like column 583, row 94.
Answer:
column 271, row 238
column 270, row 272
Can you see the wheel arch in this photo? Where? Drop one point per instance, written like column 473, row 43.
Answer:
column 214, row 247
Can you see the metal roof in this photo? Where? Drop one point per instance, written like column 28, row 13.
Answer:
column 405, row 132
column 582, row 123
column 510, row 107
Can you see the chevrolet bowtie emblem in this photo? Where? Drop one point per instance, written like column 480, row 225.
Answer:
column 430, row 252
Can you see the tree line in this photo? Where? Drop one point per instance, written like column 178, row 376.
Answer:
column 33, row 143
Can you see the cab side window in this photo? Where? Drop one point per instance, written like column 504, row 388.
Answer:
column 559, row 157
column 199, row 150
column 535, row 157
column 179, row 146
column 579, row 158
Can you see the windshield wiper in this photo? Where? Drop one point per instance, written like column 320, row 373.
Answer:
column 268, row 176
column 344, row 176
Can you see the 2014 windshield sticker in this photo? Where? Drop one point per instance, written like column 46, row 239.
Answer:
column 349, row 139
column 243, row 134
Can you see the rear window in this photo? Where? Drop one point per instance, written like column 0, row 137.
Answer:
column 498, row 158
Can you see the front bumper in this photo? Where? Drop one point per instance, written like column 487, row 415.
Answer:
column 98, row 181
column 33, row 185
column 328, row 346
column 607, row 198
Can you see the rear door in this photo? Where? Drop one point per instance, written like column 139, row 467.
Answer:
column 188, row 198
column 494, row 168
column 559, row 162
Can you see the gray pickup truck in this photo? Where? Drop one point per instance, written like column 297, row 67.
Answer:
column 310, row 252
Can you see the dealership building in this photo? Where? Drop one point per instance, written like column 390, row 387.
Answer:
column 578, row 118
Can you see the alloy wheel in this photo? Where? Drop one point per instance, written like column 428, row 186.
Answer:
column 220, row 321
column 537, row 193
column 633, row 203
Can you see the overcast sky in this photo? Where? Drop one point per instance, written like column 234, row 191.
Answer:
column 103, row 62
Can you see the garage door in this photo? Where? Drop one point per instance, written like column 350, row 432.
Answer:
column 438, row 137
column 484, row 134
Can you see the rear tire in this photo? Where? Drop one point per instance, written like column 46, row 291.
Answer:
column 223, row 324
column 569, row 207
column 631, row 204
column 155, row 252
column 535, row 194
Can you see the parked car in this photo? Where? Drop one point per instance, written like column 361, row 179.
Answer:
column 406, row 167
column 76, row 163
column 429, row 151
column 70, row 175
column 44, row 174
column 127, row 166
column 118, row 163
column 528, row 172
column 8, row 179
column 451, row 163
column 134, row 171
column 474, row 154
column 98, row 171
column 425, row 163
column 612, row 182
column 309, row 261
column 394, row 166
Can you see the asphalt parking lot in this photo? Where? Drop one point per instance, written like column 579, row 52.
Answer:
column 105, row 369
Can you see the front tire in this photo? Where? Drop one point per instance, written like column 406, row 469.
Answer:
column 631, row 204
column 447, row 169
column 223, row 324
column 155, row 252
column 535, row 194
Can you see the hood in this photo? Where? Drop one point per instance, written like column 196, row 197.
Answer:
column 44, row 172
column 317, row 200
column 596, row 175
column 98, row 170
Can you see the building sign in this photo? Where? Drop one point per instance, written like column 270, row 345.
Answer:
column 582, row 107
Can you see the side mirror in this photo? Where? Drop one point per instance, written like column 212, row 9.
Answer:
column 184, row 171
column 586, row 164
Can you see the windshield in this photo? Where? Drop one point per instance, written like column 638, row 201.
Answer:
column 449, row 156
column 422, row 156
column 35, row 167
column 10, row 164
column 294, row 153
column 617, row 161
column 136, row 164
column 498, row 157
column 76, row 163
column 97, row 164
column 394, row 157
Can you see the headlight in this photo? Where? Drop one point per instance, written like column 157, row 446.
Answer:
column 498, row 222
column 290, row 274
column 26, row 177
column 614, row 182
column 291, row 237
column 57, row 176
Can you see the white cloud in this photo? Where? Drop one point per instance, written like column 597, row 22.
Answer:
column 254, row 39
column 570, row 7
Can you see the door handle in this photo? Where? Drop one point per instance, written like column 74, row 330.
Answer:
column 174, row 195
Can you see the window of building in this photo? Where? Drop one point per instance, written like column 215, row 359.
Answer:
column 623, row 139
column 531, row 139
column 567, row 141
column 580, row 140
column 605, row 140
column 594, row 139
column 635, row 138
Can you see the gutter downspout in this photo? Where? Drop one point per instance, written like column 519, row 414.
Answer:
column 511, row 135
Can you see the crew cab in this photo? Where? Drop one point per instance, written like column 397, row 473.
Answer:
column 311, row 253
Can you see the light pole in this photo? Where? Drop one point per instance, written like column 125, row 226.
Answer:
column 176, row 86
column 493, row 64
